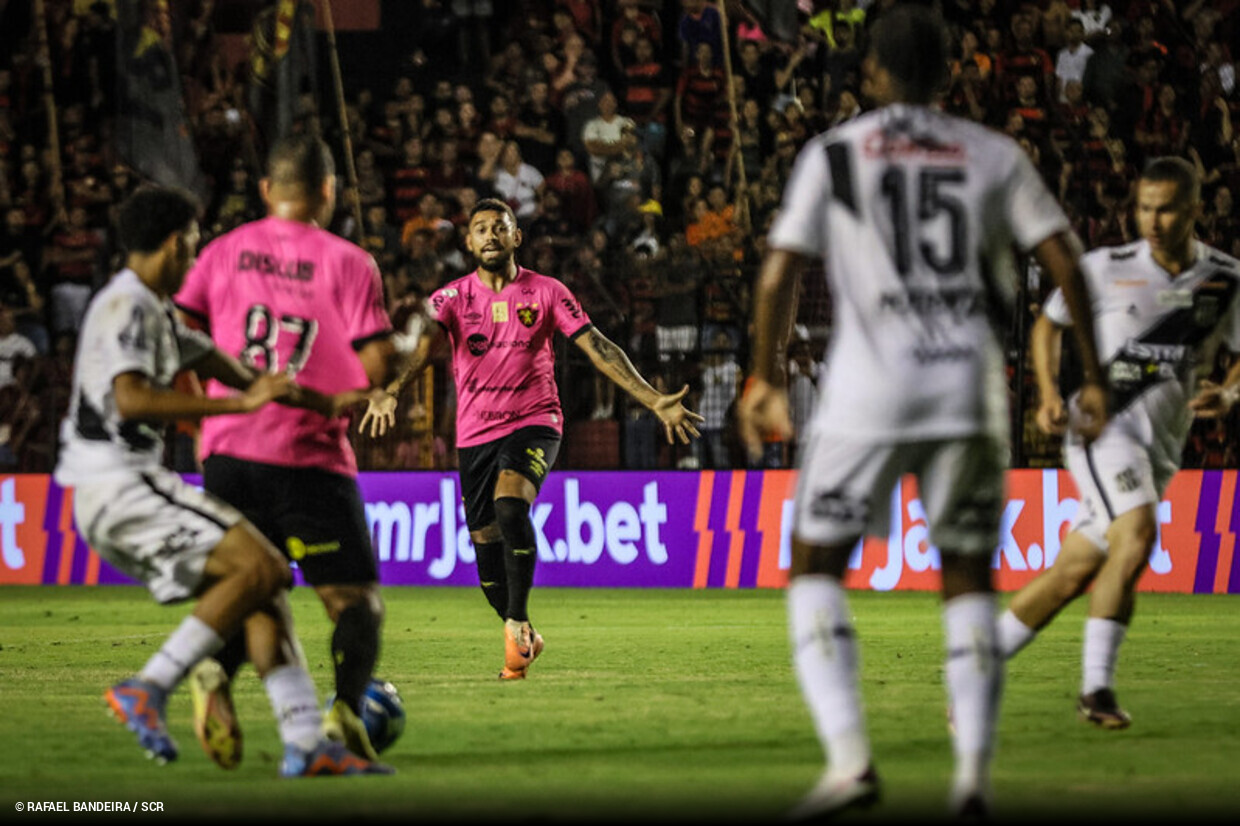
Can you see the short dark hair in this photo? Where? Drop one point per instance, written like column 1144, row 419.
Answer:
column 1178, row 171
column 152, row 213
column 492, row 205
column 910, row 41
column 300, row 159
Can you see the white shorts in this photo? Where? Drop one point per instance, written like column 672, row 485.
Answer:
column 844, row 489
column 1113, row 476
column 153, row 527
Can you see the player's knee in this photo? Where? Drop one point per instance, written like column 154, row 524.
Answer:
column 513, row 516
column 266, row 574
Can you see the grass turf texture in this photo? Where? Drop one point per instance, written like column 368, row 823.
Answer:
column 647, row 706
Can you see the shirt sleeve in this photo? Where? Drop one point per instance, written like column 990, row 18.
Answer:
column 1056, row 309
column 129, row 334
column 364, row 312
column 1031, row 211
column 441, row 307
column 570, row 317
column 801, row 220
column 193, row 297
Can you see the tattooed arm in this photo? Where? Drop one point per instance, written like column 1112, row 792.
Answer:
column 611, row 361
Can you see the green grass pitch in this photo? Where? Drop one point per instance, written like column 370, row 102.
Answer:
column 647, row 706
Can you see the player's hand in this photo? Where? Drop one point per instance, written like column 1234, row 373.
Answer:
column 763, row 411
column 380, row 413
column 678, row 421
column 1090, row 415
column 266, row 388
column 1212, row 400
column 1052, row 415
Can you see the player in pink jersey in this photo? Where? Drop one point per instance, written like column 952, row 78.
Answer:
column 282, row 294
column 500, row 321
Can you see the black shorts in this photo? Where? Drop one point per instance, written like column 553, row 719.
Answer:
column 530, row 451
column 314, row 516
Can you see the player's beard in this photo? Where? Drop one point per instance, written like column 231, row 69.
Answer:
column 495, row 262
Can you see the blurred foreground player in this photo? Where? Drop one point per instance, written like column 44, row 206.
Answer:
column 141, row 517
column 915, row 214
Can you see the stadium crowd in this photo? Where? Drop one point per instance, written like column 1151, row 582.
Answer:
column 638, row 178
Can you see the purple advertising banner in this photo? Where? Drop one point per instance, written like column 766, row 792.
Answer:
column 613, row 529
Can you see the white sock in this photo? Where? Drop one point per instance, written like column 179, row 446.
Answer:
column 1100, row 652
column 824, row 651
column 1013, row 634
column 296, row 705
column 190, row 642
column 974, row 676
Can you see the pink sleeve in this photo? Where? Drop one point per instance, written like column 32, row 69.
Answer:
column 192, row 297
column 570, row 316
column 439, row 308
column 362, row 308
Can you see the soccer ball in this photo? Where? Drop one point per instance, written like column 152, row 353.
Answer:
column 383, row 713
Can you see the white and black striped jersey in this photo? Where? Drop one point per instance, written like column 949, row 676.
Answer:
column 1157, row 334
column 915, row 214
column 127, row 328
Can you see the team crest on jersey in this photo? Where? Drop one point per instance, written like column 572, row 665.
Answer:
column 527, row 314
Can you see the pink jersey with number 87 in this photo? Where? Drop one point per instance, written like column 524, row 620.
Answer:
column 286, row 296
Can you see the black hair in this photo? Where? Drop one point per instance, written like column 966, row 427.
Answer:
column 910, row 42
column 1178, row 171
column 152, row 213
column 303, row 160
column 492, row 205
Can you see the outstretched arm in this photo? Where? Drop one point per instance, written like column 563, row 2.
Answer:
column 413, row 349
column 611, row 361
column 764, row 408
column 136, row 398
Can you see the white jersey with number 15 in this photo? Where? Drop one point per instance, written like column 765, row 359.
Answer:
column 915, row 214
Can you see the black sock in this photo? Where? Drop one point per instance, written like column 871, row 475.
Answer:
column 492, row 576
column 233, row 655
column 520, row 553
column 355, row 650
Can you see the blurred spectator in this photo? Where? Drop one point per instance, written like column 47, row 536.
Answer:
column 409, row 180
column 429, row 218
column 1221, row 222
column 632, row 15
column 1163, row 131
column 1095, row 16
column 700, row 24
column 587, row 19
column 580, row 101
column 803, row 370
column 539, row 127
column 14, row 347
column 756, row 67
column 74, row 261
column 601, row 135
column 1073, row 58
column 701, row 92
column 720, row 384
column 646, row 94
column 518, row 183
column 380, row 238
column 446, row 173
column 575, row 190
column 1024, row 58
